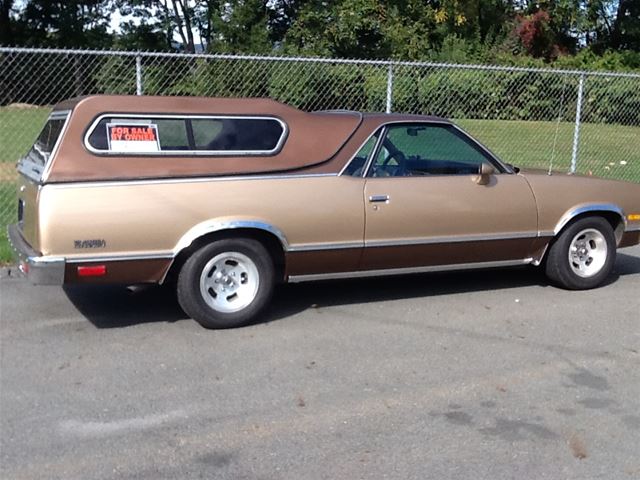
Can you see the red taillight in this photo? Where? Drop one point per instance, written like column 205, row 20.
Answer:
column 93, row 271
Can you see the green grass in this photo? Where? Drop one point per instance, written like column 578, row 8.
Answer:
column 525, row 144
column 530, row 144
column 18, row 129
column 7, row 216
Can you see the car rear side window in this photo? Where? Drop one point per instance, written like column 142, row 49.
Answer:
column 185, row 135
column 236, row 134
column 37, row 158
column 47, row 139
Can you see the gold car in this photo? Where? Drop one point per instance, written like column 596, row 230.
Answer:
column 225, row 198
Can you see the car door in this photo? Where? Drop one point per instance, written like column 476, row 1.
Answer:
column 426, row 203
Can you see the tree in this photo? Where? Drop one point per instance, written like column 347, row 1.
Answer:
column 536, row 35
column 443, row 30
column 144, row 36
column 6, row 25
column 182, row 13
column 71, row 23
column 625, row 33
column 172, row 17
column 241, row 26
column 413, row 29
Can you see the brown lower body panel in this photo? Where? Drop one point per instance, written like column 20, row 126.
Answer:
column 629, row 239
column 439, row 254
column 345, row 260
column 126, row 272
column 539, row 248
column 407, row 256
column 322, row 261
column 348, row 259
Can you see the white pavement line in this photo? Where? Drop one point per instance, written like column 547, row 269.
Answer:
column 58, row 321
column 27, row 328
column 84, row 429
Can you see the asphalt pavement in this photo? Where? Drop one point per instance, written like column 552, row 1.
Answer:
column 475, row 375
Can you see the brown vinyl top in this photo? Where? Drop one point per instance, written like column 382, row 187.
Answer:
column 316, row 142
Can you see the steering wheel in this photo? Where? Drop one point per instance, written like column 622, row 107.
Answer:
column 398, row 170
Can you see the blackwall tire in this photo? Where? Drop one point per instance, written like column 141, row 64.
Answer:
column 227, row 283
column 583, row 255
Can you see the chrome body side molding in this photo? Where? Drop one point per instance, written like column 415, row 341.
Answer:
column 309, row 247
column 452, row 239
column 404, row 271
column 199, row 179
column 121, row 258
column 317, row 247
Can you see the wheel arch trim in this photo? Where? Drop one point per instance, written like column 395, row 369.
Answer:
column 215, row 226
column 575, row 212
column 589, row 208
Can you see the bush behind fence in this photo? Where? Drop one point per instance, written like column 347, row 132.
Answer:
column 42, row 77
column 579, row 121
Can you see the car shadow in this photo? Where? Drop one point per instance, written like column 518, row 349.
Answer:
column 119, row 307
column 627, row 264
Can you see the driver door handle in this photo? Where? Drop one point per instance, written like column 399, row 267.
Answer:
column 378, row 198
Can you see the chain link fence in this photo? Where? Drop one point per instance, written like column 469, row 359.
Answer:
column 572, row 121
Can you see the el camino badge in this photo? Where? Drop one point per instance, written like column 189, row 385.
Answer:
column 97, row 243
column 133, row 137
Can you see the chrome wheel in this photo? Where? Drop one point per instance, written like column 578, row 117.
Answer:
column 588, row 252
column 229, row 282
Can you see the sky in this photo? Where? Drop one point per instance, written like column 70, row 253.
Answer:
column 117, row 18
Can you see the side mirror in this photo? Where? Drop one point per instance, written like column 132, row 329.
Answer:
column 513, row 167
column 484, row 174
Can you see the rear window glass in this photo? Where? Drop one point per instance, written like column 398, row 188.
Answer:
column 35, row 161
column 43, row 146
column 184, row 135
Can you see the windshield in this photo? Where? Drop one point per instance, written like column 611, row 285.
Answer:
column 36, row 159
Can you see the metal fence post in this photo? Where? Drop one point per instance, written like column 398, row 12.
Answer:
column 389, row 88
column 576, row 131
column 139, row 88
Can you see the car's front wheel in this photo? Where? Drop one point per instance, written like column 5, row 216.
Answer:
column 583, row 256
column 227, row 283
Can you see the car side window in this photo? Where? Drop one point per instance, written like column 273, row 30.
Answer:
column 359, row 161
column 236, row 134
column 172, row 134
column 426, row 149
column 182, row 134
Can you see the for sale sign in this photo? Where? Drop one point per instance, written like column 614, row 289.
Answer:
column 132, row 138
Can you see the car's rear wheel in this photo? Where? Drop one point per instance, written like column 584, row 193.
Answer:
column 582, row 257
column 227, row 283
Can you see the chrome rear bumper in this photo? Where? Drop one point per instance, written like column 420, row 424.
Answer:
column 39, row 270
